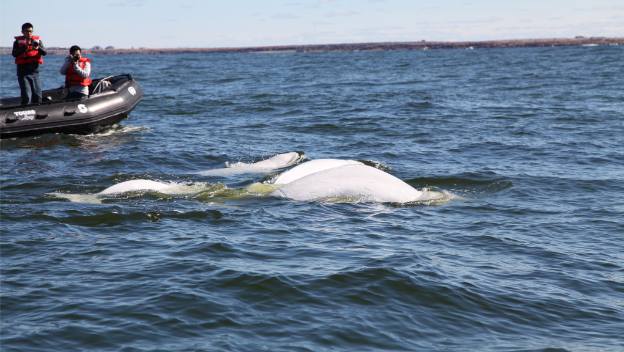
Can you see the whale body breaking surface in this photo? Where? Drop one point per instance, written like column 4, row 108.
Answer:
column 315, row 180
column 310, row 167
column 275, row 162
column 351, row 181
column 137, row 185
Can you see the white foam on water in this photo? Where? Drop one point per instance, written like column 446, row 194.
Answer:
column 260, row 189
column 113, row 130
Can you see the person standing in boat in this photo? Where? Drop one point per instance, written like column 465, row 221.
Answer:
column 77, row 71
column 28, row 52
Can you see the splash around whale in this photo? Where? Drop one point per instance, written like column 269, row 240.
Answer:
column 328, row 180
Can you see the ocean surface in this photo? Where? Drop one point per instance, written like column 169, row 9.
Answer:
column 528, row 255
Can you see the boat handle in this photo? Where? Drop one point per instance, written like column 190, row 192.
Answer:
column 69, row 112
column 42, row 115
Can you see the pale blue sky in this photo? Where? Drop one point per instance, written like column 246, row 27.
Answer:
column 235, row 23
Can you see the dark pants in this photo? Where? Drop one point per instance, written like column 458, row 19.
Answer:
column 30, row 88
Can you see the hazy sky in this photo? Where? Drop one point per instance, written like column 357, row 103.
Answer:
column 235, row 23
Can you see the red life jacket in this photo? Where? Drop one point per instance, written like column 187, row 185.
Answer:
column 30, row 55
column 73, row 79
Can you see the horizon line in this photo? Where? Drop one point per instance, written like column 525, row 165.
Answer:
column 420, row 43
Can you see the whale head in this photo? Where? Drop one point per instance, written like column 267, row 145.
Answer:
column 276, row 162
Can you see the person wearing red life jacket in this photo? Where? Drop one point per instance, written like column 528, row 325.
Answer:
column 28, row 51
column 77, row 70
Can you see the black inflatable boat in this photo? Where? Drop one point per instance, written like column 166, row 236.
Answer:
column 110, row 101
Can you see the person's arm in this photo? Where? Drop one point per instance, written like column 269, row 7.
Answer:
column 68, row 61
column 42, row 50
column 17, row 49
column 84, row 73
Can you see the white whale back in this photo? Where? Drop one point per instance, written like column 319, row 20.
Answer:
column 141, row 185
column 135, row 185
column 154, row 186
column 310, row 167
column 275, row 162
column 278, row 161
column 351, row 182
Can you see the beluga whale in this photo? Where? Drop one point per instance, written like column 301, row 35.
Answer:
column 325, row 180
column 276, row 162
column 310, row 167
column 139, row 186
column 348, row 180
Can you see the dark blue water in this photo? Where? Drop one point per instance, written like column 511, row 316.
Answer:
column 529, row 258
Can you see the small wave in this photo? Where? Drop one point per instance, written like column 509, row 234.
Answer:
column 376, row 164
column 54, row 139
column 431, row 197
column 228, row 80
column 114, row 130
column 257, row 286
column 419, row 104
column 114, row 218
column 465, row 183
column 319, row 127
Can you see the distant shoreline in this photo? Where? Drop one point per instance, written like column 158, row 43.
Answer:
column 377, row 46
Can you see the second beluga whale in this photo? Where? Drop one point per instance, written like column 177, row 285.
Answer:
column 275, row 162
